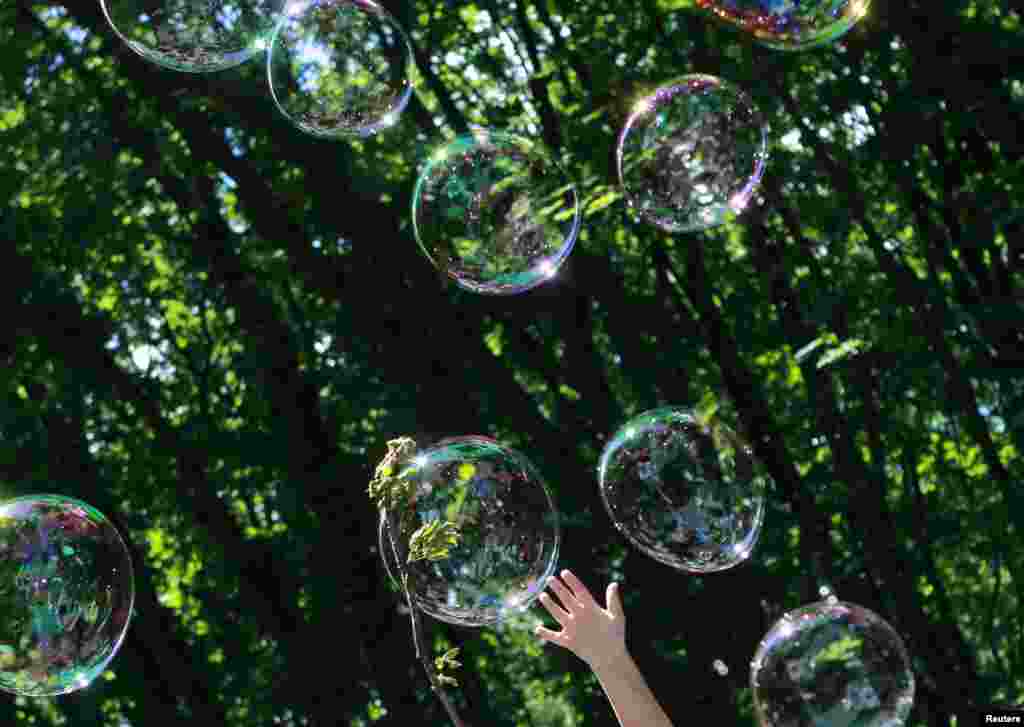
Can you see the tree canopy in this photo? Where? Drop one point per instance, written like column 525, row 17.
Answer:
column 215, row 322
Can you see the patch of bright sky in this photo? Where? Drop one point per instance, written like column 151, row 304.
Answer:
column 324, row 343
column 228, row 14
column 482, row 21
column 342, row 245
column 857, row 123
column 508, row 48
column 313, row 57
column 791, row 141
column 73, row 33
column 148, row 359
column 236, row 220
column 856, row 119
column 234, row 141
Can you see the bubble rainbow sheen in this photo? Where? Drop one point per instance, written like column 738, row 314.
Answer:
column 691, row 154
column 194, row 37
column 831, row 663
column 510, row 533
column 790, row 25
column 340, row 68
column 495, row 212
column 66, row 594
column 684, row 489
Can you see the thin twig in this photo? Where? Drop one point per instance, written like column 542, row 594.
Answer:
column 401, row 555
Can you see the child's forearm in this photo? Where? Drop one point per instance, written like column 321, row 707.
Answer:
column 631, row 698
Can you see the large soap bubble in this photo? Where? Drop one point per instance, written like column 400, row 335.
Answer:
column 195, row 36
column 339, row 67
column 790, row 24
column 66, row 593
column 691, row 154
column 684, row 489
column 495, row 212
column 831, row 663
column 509, row 531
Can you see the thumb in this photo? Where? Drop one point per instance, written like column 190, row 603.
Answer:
column 614, row 601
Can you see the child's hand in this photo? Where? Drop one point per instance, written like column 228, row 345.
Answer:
column 594, row 634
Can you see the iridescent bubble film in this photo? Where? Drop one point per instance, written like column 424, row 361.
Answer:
column 831, row 664
column 691, row 154
column 684, row 489
column 790, row 24
column 195, row 36
column 495, row 212
column 66, row 593
column 339, row 67
column 509, row 525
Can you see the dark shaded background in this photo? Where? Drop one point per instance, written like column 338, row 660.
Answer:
column 212, row 323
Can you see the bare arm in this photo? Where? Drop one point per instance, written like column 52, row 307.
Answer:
column 598, row 636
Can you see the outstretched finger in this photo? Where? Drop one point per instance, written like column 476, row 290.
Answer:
column 614, row 600
column 582, row 594
column 569, row 601
column 548, row 635
column 560, row 614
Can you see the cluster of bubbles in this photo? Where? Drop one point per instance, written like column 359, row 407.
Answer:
column 66, row 594
column 508, row 524
column 335, row 67
column 687, row 491
column 491, row 210
column 495, row 212
column 831, row 663
column 201, row 36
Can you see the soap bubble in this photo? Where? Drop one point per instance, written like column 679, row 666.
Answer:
column 509, row 525
column 195, row 36
column 831, row 663
column 684, row 489
column 790, row 24
column 691, row 154
column 66, row 593
column 495, row 212
column 339, row 67
column 720, row 668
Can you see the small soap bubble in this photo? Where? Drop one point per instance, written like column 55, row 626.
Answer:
column 194, row 36
column 684, row 489
column 828, row 660
column 495, row 212
column 66, row 598
column 790, row 24
column 339, row 67
column 691, row 154
column 824, row 591
column 831, row 600
column 720, row 668
column 510, row 532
